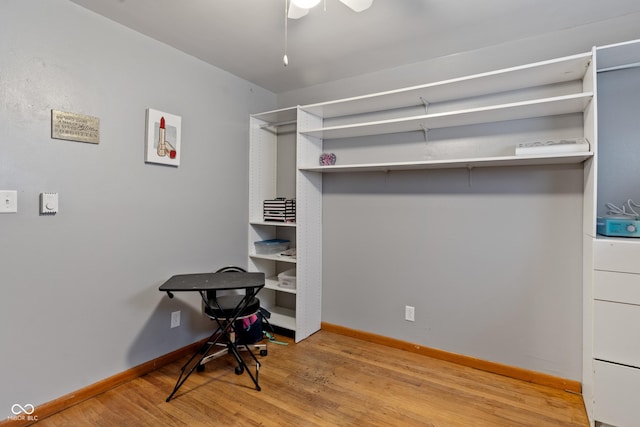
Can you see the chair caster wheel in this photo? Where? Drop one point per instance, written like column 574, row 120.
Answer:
column 263, row 353
column 239, row 370
column 200, row 368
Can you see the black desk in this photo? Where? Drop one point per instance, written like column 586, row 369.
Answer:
column 250, row 283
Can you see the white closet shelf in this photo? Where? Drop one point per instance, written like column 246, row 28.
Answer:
column 566, row 104
column 275, row 257
column 273, row 223
column 531, row 75
column 275, row 117
column 282, row 317
column 538, row 159
column 272, row 283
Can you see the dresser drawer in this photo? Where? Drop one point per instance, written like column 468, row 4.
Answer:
column 618, row 287
column 617, row 255
column 616, row 333
column 616, row 396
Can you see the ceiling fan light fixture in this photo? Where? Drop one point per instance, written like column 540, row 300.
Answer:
column 305, row 4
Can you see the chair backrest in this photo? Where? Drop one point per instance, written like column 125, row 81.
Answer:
column 230, row 268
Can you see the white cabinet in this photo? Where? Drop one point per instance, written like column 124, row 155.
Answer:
column 273, row 173
column 616, row 394
column 616, row 332
column 612, row 269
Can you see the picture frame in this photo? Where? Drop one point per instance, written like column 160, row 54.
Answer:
column 163, row 138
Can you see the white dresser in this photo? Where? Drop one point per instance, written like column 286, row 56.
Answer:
column 616, row 340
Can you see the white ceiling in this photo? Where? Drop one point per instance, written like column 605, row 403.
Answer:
column 246, row 37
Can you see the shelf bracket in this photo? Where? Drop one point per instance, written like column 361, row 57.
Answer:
column 425, row 104
column 470, row 175
column 425, row 131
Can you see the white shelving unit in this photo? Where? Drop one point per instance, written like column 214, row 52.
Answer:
column 271, row 134
column 543, row 93
column 547, row 89
column 611, row 362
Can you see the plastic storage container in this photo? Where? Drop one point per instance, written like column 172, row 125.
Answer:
column 287, row 279
column 272, row 246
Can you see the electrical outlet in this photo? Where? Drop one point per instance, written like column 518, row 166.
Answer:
column 409, row 313
column 175, row 319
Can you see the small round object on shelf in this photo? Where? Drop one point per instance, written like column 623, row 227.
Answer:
column 327, row 159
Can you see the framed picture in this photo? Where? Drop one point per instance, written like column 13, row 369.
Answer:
column 162, row 143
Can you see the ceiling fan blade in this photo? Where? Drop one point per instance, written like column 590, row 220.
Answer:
column 357, row 5
column 296, row 12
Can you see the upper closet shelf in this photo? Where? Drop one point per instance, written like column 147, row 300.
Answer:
column 575, row 103
column 539, row 159
column 541, row 73
column 278, row 117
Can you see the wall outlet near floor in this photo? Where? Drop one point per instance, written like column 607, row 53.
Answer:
column 409, row 313
column 175, row 319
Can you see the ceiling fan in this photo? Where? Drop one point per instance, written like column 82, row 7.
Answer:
column 295, row 9
column 299, row 8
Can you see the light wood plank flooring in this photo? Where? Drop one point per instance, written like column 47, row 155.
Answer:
column 329, row 380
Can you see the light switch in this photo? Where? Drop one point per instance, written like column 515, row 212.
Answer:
column 8, row 201
column 48, row 203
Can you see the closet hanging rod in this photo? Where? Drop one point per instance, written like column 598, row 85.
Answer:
column 620, row 67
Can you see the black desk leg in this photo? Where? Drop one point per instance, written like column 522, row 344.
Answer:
column 244, row 366
column 203, row 350
column 224, row 328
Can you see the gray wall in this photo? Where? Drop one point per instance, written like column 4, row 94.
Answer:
column 493, row 264
column 492, row 267
column 79, row 289
column 619, row 141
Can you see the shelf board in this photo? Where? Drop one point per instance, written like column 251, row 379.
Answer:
column 282, row 317
column 531, row 75
column 272, row 283
column 538, row 159
column 274, row 117
column 575, row 103
column 275, row 257
column 617, row 239
column 273, row 223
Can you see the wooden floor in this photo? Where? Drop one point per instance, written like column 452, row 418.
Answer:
column 329, row 380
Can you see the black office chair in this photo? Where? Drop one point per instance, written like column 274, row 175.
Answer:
column 222, row 309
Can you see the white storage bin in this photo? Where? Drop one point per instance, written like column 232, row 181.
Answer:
column 287, row 279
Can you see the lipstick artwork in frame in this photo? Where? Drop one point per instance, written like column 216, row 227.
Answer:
column 162, row 142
